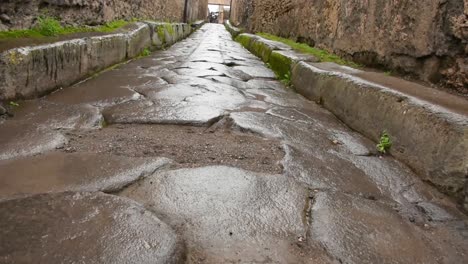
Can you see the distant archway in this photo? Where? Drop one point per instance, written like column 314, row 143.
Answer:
column 218, row 10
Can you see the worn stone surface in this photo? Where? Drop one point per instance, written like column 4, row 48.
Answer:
column 56, row 172
column 260, row 174
column 22, row 139
column 46, row 114
column 423, row 38
column 221, row 209
column 84, row 227
column 91, row 12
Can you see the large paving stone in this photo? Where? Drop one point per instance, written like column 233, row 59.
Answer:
column 162, row 112
column 109, row 88
column 83, row 228
column 221, row 208
column 257, row 72
column 326, row 171
column 357, row 230
column 59, row 172
column 20, row 139
column 58, row 116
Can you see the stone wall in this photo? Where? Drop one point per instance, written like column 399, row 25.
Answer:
column 426, row 38
column 15, row 14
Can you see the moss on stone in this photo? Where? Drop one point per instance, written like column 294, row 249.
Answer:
column 261, row 50
column 161, row 34
column 169, row 29
column 244, row 40
column 280, row 64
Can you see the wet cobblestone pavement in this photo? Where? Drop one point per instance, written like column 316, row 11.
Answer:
column 197, row 154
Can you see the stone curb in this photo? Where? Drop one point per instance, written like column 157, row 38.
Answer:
column 232, row 29
column 30, row 72
column 280, row 57
column 428, row 128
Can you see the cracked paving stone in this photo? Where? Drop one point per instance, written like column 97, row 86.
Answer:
column 84, row 228
column 19, row 139
column 221, row 209
column 228, row 71
column 59, row 172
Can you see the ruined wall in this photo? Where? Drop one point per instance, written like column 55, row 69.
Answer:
column 16, row 14
column 427, row 38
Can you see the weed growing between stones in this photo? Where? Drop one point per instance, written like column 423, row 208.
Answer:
column 323, row 55
column 146, row 52
column 14, row 104
column 385, row 143
column 286, row 79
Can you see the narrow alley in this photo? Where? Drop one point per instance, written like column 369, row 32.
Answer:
column 198, row 154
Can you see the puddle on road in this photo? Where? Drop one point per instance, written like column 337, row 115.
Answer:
column 188, row 146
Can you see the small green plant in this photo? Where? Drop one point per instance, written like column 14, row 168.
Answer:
column 49, row 26
column 286, row 80
column 388, row 73
column 385, row 143
column 14, row 104
column 146, row 52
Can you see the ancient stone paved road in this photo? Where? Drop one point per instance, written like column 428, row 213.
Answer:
column 198, row 154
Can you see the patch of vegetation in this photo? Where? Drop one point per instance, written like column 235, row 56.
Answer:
column 323, row 55
column 48, row 26
column 286, row 80
column 169, row 29
column 146, row 52
column 280, row 64
column 244, row 40
column 51, row 27
column 161, row 34
column 385, row 143
column 14, row 104
column 261, row 50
